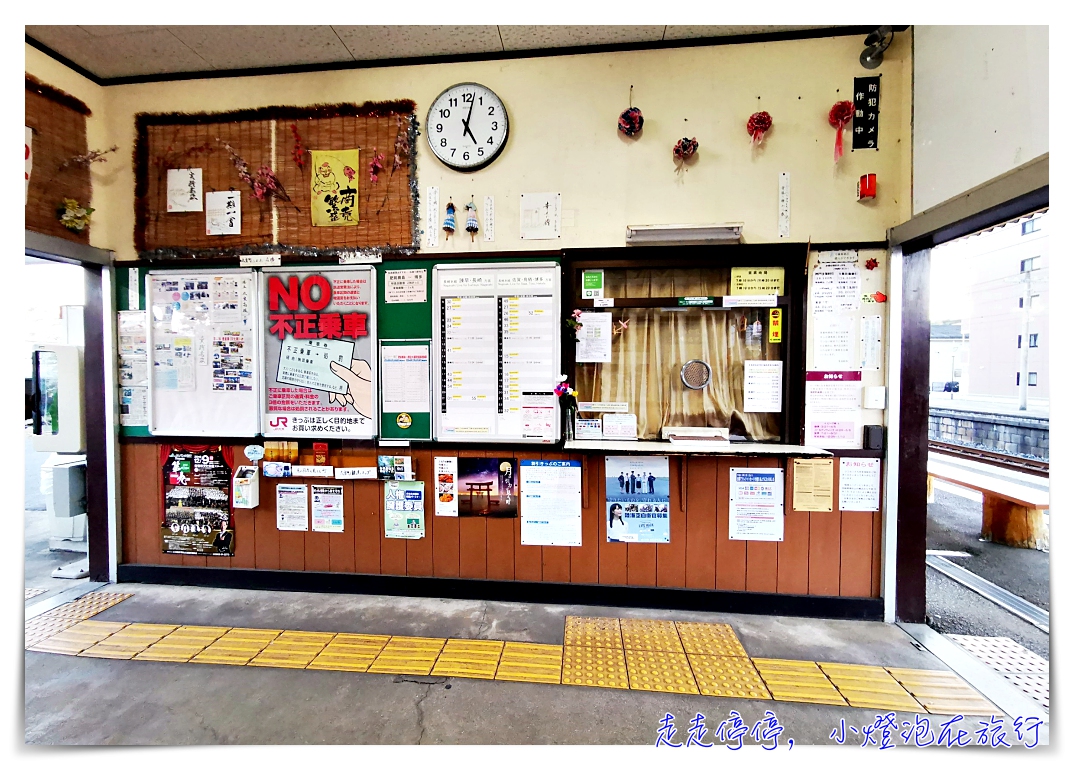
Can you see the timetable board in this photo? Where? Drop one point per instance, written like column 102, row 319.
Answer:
column 496, row 352
column 204, row 353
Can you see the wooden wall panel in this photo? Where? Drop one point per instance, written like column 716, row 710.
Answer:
column 792, row 555
column 472, row 534
column 128, row 474
column 730, row 554
column 555, row 560
column 878, row 547
column 419, row 553
column 584, row 559
column 701, row 480
column 671, row 557
column 502, row 534
column 855, row 553
column 762, row 556
column 824, row 534
column 445, row 541
column 611, row 557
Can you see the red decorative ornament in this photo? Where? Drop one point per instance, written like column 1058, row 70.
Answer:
column 871, row 264
column 840, row 114
column 685, row 149
column 631, row 121
column 756, row 126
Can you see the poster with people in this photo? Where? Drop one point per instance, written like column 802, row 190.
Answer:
column 488, row 486
column 318, row 332
column 637, row 499
column 196, row 518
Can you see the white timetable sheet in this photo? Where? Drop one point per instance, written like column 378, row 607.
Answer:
column 497, row 352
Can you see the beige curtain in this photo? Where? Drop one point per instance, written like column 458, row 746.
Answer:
column 648, row 356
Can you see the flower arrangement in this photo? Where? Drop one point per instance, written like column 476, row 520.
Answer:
column 568, row 399
column 93, row 156
column 265, row 185
column 402, row 153
column 73, row 216
column 375, row 166
column 299, row 151
column 574, row 323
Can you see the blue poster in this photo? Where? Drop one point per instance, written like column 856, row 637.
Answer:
column 636, row 499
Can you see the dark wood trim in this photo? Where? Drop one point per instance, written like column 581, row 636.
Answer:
column 767, row 37
column 849, row 608
column 912, row 514
column 97, row 427
column 1005, row 212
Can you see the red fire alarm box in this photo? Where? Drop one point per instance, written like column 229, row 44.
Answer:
column 867, row 187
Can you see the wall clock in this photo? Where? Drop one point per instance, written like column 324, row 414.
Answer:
column 467, row 126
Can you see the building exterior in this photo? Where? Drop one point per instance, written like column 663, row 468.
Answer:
column 948, row 354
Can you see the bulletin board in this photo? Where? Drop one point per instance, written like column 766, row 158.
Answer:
column 204, row 352
column 496, row 352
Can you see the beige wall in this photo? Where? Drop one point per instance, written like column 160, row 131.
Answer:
column 563, row 138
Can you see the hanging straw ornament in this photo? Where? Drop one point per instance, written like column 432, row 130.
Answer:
column 630, row 119
column 449, row 220
column 685, row 149
column 471, row 219
column 757, row 125
column 840, row 114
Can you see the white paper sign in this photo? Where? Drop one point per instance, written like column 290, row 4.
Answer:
column 836, row 288
column 859, row 484
column 833, row 410
column 784, row 205
column 603, row 406
column 489, row 224
column 756, row 511
column 620, row 426
column 367, row 472
column 134, row 406
column 223, row 213
column 133, row 295
column 849, row 255
column 834, row 345
column 762, row 386
column 133, row 372
column 750, row 300
column 551, row 502
column 594, row 338
column 321, row 471
column 871, row 343
column 327, row 508
column 539, row 416
column 447, row 486
column 292, row 507
column 585, row 428
column 432, row 217
column 404, row 286
column 184, row 189
column 308, row 363
column 539, row 216
column 405, row 377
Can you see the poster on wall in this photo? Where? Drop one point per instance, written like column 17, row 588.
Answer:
column 404, row 509
column 637, row 499
column 446, row 470
column 292, row 507
column 859, row 484
column 196, row 517
column 833, row 410
column 551, row 502
column 488, row 486
column 756, row 511
column 327, row 508
column 334, row 187
column 318, row 332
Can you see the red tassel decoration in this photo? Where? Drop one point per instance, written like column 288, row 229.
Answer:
column 757, row 125
column 840, row 114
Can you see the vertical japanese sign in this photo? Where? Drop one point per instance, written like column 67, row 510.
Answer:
column 334, row 188
column 223, row 213
column 196, row 517
column 184, row 189
column 637, row 496
column 866, row 113
column 318, row 336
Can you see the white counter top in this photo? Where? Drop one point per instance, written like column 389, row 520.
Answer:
column 694, row 447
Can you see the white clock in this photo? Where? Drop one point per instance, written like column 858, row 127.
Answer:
column 467, row 126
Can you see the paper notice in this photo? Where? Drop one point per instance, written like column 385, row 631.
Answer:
column 327, row 508
column 833, row 410
column 859, row 484
column 133, row 372
column 756, row 510
column 404, row 509
column 223, row 213
column 488, row 226
column 836, row 288
column 134, row 406
column 551, row 493
column 183, row 356
column 184, row 189
column 594, row 338
column 539, row 416
column 447, row 486
column 620, row 426
column 757, row 280
column 292, row 507
column 539, row 216
column 309, row 363
column 813, row 484
column 871, row 343
column 762, row 386
column 834, row 345
column 405, row 374
column 404, row 286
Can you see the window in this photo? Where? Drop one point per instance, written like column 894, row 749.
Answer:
column 1032, row 378
column 1021, row 300
column 1032, row 340
column 1029, row 226
column 1029, row 264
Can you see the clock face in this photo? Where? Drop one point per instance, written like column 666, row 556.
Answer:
column 467, row 126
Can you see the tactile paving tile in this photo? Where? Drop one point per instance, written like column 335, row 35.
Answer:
column 128, row 642
column 32, row 592
column 523, row 662
column 651, row 635
column 78, row 637
column 236, row 647
column 595, row 667
column 710, row 639
column 869, row 687
column 292, row 649
column 727, row 676
column 66, row 615
column 592, row 632
column 799, row 681
column 182, row 644
column 349, row 652
column 407, row 655
column 660, row 671
column 942, row 692
column 471, row 658
column 1003, row 654
column 1036, row 686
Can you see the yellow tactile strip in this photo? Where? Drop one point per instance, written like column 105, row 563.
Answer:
column 599, row 652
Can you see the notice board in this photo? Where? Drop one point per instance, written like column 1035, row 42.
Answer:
column 204, row 362
column 496, row 352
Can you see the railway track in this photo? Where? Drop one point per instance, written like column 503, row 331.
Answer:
column 1011, row 462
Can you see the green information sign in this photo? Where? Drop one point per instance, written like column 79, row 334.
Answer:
column 592, row 284
column 695, row 301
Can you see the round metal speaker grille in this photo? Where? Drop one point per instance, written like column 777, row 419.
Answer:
column 695, row 374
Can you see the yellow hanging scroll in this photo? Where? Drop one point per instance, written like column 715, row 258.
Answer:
column 334, row 188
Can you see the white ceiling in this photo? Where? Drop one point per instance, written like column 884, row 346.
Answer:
column 126, row 51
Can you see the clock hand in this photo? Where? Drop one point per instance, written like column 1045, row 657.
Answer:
column 466, row 123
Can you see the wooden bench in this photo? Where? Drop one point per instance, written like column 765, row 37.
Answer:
column 1013, row 514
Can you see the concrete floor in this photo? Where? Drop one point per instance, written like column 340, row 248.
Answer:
column 93, row 701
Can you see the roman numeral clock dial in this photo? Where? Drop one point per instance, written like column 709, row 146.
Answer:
column 467, row 127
